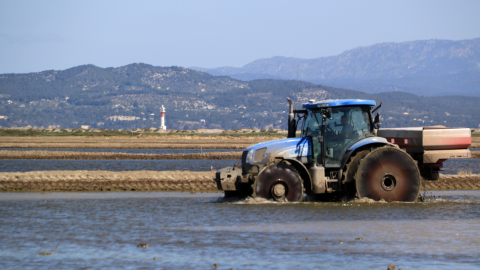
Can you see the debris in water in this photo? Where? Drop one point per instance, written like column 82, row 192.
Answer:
column 306, row 238
column 154, row 258
column 340, row 242
column 43, row 253
column 358, row 238
column 391, row 267
column 142, row 245
column 215, row 265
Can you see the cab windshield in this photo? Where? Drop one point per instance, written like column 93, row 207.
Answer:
column 346, row 126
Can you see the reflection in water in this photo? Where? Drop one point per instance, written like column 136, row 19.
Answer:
column 195, row 231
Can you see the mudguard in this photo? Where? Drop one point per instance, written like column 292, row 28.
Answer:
column 364, row 142
column 303, row 171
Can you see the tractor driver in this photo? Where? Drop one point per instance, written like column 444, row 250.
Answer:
column 347, row 129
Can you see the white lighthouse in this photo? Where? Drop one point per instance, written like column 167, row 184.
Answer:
column 162, row 118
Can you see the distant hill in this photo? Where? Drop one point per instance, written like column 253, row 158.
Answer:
column 131, row 97
column 425, row 67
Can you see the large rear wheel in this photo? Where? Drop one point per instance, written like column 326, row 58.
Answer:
column 280, row 183
column 388, row 173
column 351, row 169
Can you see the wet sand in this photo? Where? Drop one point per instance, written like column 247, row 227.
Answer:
column 112, row 155
column 179, row 181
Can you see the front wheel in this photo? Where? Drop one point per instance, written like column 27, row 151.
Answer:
column 388, row 173
column 279, row 183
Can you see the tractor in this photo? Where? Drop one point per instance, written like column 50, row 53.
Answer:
column 342, row 152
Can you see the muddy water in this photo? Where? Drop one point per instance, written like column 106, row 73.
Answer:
column 29, row 165
column 196, row 231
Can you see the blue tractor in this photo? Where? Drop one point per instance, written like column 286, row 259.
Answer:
column 337, row 152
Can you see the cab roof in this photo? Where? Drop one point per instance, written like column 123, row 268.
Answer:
column 338, row 102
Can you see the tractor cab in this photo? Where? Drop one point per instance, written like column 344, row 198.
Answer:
column 334, row 126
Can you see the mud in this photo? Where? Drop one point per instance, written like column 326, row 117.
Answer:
column 475, row 142
column 62, row 181
column 112, row 155
column 180, row 181
column 475, row 154
column 453, row 182
column 142, row 142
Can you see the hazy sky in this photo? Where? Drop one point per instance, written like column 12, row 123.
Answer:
column 43, row 35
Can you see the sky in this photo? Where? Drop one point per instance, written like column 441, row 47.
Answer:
column 45, row 35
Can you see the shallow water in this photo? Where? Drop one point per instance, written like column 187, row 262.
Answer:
column 130, row 151
column 99, row 230
column 452, row 166
column 28, row 165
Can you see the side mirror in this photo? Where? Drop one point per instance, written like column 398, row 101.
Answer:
column 377, row 120
column 328, row 112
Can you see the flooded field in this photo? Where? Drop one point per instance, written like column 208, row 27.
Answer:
column 102, row 230
column 451, row 166
column 30, row 165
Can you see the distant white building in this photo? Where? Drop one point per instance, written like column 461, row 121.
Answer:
column 123, row 118
column 162, row 118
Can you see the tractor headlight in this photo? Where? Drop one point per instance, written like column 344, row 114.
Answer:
column 249, row 158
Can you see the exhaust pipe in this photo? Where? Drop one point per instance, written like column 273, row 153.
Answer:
column 291, row 121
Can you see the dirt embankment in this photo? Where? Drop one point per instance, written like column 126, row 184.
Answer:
column 180, row 181
column 144, row 142
column 475, row 142
column 453, row 182
column 111, row 155
column 68, row 181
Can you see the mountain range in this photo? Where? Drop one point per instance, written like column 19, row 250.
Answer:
column 131, row 97
column 425, row 67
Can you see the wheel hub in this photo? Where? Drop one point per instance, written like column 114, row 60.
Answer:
column 279, row 184
column 279, row 190
column 388, row 182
